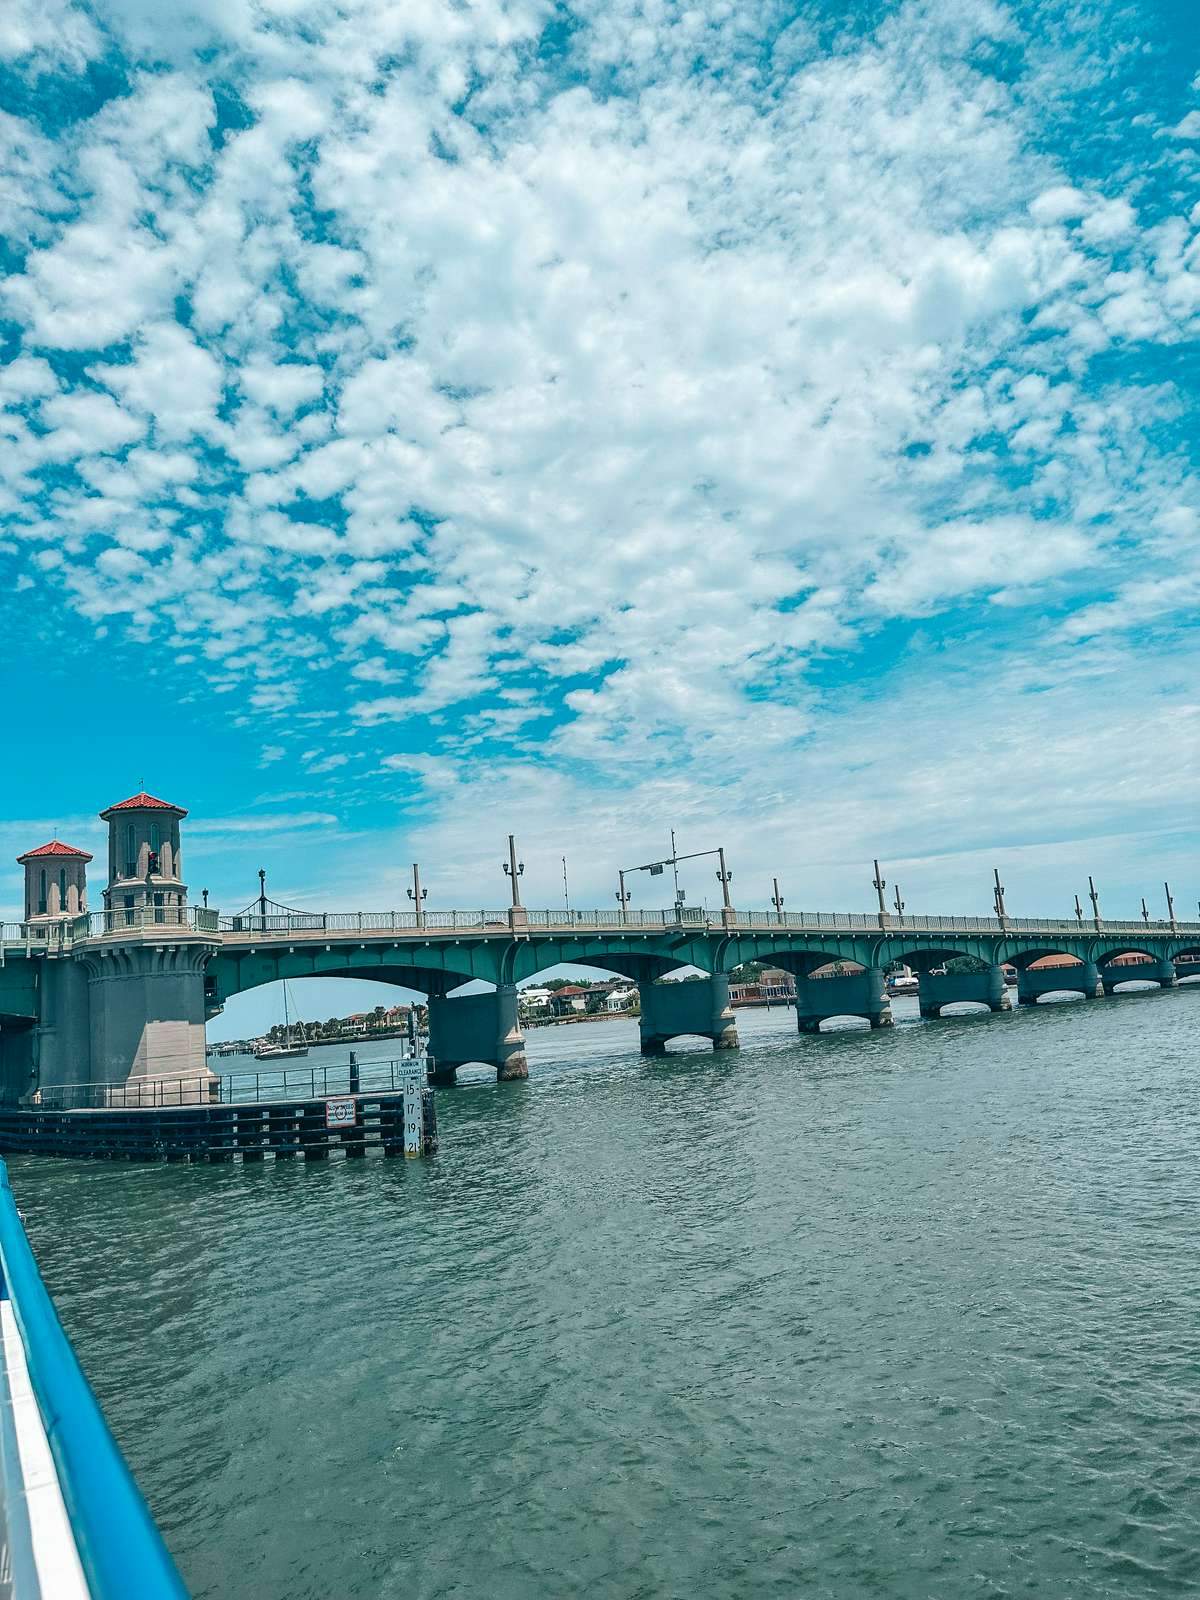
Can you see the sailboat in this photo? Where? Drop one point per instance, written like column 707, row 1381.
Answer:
column 290, row 1046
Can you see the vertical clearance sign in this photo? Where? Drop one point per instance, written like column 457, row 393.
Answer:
column 414, row 1115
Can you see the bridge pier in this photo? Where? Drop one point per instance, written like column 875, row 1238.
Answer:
column 17, row 1069
column 945, row 988
column 699, row 1006
column 146, row 1005
column 62, row 1044
column 856, row 994
column 1083, row 978
column 476, row 1027
column 1154, row 971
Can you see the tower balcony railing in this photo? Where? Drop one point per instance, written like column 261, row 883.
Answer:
column 61, row 933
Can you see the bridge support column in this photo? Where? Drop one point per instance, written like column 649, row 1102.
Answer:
column 18, row 1074
column 146, row 1003
column 945, row 988
column 1033, row 982
column 1161, row 972
column 856, row 994
column 476, row 1027
column 699, row 1006
column 62, row 1042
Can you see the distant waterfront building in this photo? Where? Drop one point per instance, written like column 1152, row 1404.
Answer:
column 144, row 860
column 571, row 998
column 771, row 987
column 55, row 881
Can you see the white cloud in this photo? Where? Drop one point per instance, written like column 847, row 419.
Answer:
column 584, row 418
column 43, row 35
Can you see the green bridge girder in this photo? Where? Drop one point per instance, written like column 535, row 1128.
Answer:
column 441, row 964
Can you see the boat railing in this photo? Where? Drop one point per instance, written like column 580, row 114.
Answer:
column 76, row 1524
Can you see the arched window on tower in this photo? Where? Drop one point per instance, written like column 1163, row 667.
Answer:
column 42, row 893
column 62, row 888
column 130, row 852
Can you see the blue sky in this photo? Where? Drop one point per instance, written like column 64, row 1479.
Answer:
column 426, row 422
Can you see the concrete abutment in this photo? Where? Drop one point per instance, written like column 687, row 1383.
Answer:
column 145, row 1007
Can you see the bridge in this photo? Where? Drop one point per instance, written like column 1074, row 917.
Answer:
column 124, row 993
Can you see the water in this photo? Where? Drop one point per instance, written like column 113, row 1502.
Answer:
column 908, row 1314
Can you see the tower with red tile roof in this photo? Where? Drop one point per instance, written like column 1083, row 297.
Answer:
column 145, row 870
column 55, row 881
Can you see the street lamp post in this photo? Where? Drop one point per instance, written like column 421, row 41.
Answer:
column 777, row 900
column 623, row 896
column 655, row 869
column 1145, row 912
column 1094, row 896
column 723, row 877
column 514, row 870
column 418, row 895
column 262, row 894
column 998, row 898
column 879, row 883
column 899, row 904
column 204, row 898
column 1170, row 906
column 1078, row 910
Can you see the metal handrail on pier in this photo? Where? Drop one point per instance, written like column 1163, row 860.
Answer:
column 233, row 1088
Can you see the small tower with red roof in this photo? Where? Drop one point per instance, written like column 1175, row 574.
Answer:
column 55, row 881
column 144, row 865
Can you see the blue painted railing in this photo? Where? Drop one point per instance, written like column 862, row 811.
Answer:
column 120, row 1548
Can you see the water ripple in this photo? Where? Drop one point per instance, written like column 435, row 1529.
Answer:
column 907, row 1315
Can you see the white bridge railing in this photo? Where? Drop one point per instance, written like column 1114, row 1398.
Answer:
column 61, row 934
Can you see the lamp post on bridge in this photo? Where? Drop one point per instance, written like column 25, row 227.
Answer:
column 262, row 894
column 655, row 869
column 777, row 900
column 1170, row 906
column 623, row 896
column 418, row 896
column 1094, row 896
column 899, row 904
column 1078, row 910
column 998, row 899
column 513, row 870
column 1145, row 912
column 879, row 884
column 204, row 898
column 723, row 877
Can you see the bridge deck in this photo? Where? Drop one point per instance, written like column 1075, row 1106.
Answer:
column 29, row 938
